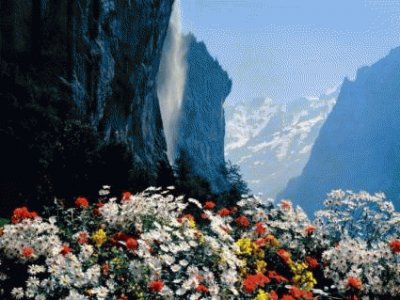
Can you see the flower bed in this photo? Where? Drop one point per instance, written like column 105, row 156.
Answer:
column 156, row 246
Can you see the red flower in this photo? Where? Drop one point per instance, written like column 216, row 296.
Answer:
column 27, row 252
column 99, row 204
column 249, row 285
column 286, row 204
column 260, row 242
column 22, row 213
column 300, row 294
column 105, row 269
column 81, row 202
column 198, row 277
column 96, row 210
column 131, row 244
column 156, row 286
column 82, row 238
column 260, row 228
column 242, row 221
column 310, row 229
column 312, row 262
column 187, row 217
column 251, row 282
column 234, row 210
column 204, row 216
column 65, row 250
column 284, row 255
column 287, row 297
column 354, row 283
column 126, row 196
column 274, row 295
column 278, row 278
column 201, row 288
column 395, row 246
column 209, row 205
column 224, row 212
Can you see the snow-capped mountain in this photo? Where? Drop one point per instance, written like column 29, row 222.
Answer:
column 358, row 147
column 271, row 142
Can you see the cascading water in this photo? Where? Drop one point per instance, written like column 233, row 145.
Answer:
column 171, row 80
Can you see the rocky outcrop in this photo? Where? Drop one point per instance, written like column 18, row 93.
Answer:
column 103, row 55
column 201, row 127
column 78, row 98
column 358, row 145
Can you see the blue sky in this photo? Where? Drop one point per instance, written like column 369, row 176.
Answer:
column 285, row 49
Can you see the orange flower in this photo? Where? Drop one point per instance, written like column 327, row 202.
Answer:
column 312, row 262
column 284, row 255
column 242, row 221
column 354, row 282
column 310, row 229
column 271, row 240
column 260, row 228
column 201, row 288
column 131, row 244
column 395, row 246
column 126, row 196
column 209, row 205
column 81, row 202
column 224, row 212
column 156, row 286
column 65, row 250
column 27, row 252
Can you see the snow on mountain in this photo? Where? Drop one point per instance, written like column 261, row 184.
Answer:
column 271, row 142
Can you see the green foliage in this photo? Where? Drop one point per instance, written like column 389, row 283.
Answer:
column 191, row 184
column 188, row 182
column 4, row 221
column 238, row 186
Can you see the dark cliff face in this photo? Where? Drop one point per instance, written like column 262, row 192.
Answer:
column 201, row 128
column 90, row 60
column 106, row 53
column 358, row 145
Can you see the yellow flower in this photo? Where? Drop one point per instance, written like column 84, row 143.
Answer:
column 262, row 295
column 192, row 223
column 258, row 252
column 245, row 246
column 302, row 278
column 99, row 237
column 261, row 266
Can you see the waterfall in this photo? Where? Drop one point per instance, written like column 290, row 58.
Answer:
column 171, row 80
